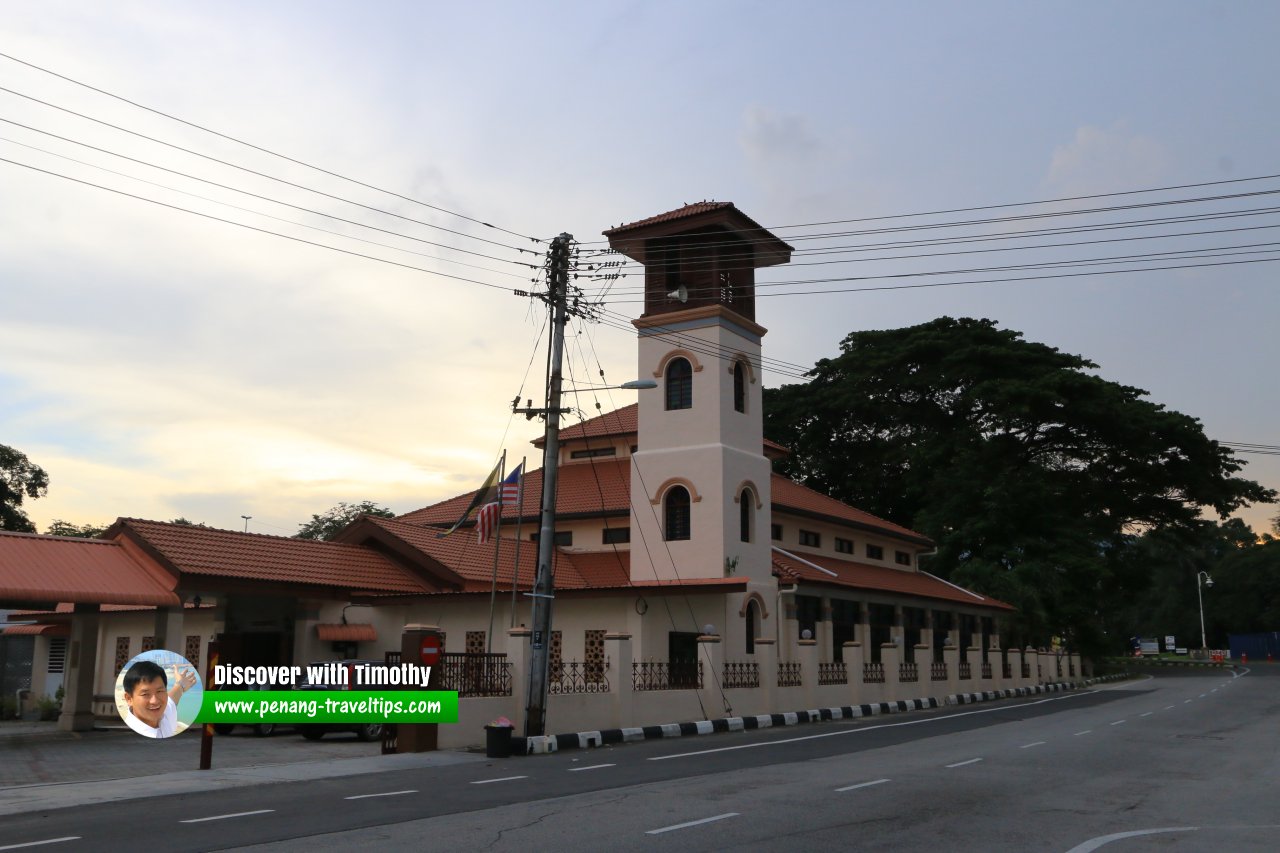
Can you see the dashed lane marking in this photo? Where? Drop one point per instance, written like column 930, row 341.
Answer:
column 1118, row 722
column 861, row 785
column 724, row 816
column 1147, row 714
column 1029, row 745
column 39, row 843
column 226, row 816
column 386, row 794
column 1085, row 732
column 503, row 779
column 592, row 767
column 963, row 763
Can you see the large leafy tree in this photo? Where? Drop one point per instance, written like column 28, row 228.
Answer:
column 330, row 524
column 1030, row 472
column 58, row 527
column 19, row 478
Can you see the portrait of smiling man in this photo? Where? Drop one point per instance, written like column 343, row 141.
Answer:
column 153, row 705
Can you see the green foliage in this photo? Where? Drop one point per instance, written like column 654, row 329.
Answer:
column 1029, row 471
column 58, row 527
column 331, row 523
column 1245, row 598
column 19, row 479
column 48, row 707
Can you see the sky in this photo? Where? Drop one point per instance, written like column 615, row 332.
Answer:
column 157, row 363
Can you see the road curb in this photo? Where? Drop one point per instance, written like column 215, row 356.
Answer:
column 1013, row 692
column 545, row 744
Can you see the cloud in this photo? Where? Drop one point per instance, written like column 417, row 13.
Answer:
column 1103, row 159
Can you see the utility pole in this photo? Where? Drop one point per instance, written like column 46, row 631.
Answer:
column 544, row 585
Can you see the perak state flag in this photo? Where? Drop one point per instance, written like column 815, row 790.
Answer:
column 508, row 492
column 487, row 494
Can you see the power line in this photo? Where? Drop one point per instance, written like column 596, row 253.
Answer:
column 268, row 151
column 278, row 218
column 264, row 174
column 974, row 209
column 255, row 228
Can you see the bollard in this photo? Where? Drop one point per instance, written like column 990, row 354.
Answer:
column 1244, row 658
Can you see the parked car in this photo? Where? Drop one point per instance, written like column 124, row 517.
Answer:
column 315, row 731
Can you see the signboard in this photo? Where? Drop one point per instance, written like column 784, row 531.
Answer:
column 429, row 651
column 1169, row 642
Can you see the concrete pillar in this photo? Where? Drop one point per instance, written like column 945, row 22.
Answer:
column 951, row 659
column 862, row 632
column 40, row 685
column 711, row 656
column 853, row 659
column 890, row 657
column 618, row 651
column 82, row 656
column 790, row 629
column 419, row 737
column 926, row 637
column 996, row 682
column 807, row 654
column 518, row 655
column 767, row 658
column 1033, row 661
column 168, row 630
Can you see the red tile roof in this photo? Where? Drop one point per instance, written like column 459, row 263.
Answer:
column 35, row 568
column 623, row 422
column 672, row 215
column 789, row 494
column 46, row 630
column 208, row 552
column 795, row 567
column 603, row 486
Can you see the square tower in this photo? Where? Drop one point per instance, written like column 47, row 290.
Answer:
column 700, row 480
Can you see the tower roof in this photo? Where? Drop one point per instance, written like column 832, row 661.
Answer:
column 720, row 217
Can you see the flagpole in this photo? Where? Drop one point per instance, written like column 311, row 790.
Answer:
column 497, row 545
column 515, row 577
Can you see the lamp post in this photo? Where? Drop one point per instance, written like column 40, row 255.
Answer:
column 1202, row 580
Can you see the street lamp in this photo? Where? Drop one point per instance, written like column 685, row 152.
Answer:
column 1202, row 580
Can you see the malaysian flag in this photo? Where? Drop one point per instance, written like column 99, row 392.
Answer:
column 508, row 492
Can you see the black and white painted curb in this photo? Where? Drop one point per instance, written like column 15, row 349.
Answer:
column 579, row 740
column 1057, row 687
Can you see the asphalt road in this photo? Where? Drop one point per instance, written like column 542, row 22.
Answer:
column 1193, row 757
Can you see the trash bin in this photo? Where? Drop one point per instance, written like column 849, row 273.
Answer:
column 497, row 741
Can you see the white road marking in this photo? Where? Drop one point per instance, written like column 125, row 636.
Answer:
column 691, row 823
column 963, row 763
column 860, row 729
column 38, row 843
column 1118, row 722
column 1094, row 843
column 860, row 785
column 1148, row 714
column 1202, row 695
column 1168, row 707
column 1085, row 732
column 226, row 816
column 503, row 779
column 387, row 794
column 1185, row 701
column 1029, row 745
column 592, row 767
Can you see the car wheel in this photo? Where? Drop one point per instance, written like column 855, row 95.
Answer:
column 223, row 728
column 313, row 734
column 371, row 731
column 264, row 729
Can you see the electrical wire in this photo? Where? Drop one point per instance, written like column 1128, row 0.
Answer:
column 262, row 174
column 171, row 117
column 256, row 228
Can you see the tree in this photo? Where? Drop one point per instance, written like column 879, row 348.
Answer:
column 332, row 522
column 58, row 527
column 19, row 479
column 1029, row 472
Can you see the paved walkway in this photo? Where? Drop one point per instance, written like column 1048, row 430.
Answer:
column 43, row 768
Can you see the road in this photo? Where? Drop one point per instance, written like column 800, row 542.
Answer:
column 1172, row 762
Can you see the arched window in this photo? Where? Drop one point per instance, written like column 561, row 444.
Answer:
column 679, row 384
column 745, row 501
column 739, row 387
column 753, row 626
column 676, row 513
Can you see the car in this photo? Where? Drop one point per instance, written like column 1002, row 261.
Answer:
column 315, row 731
